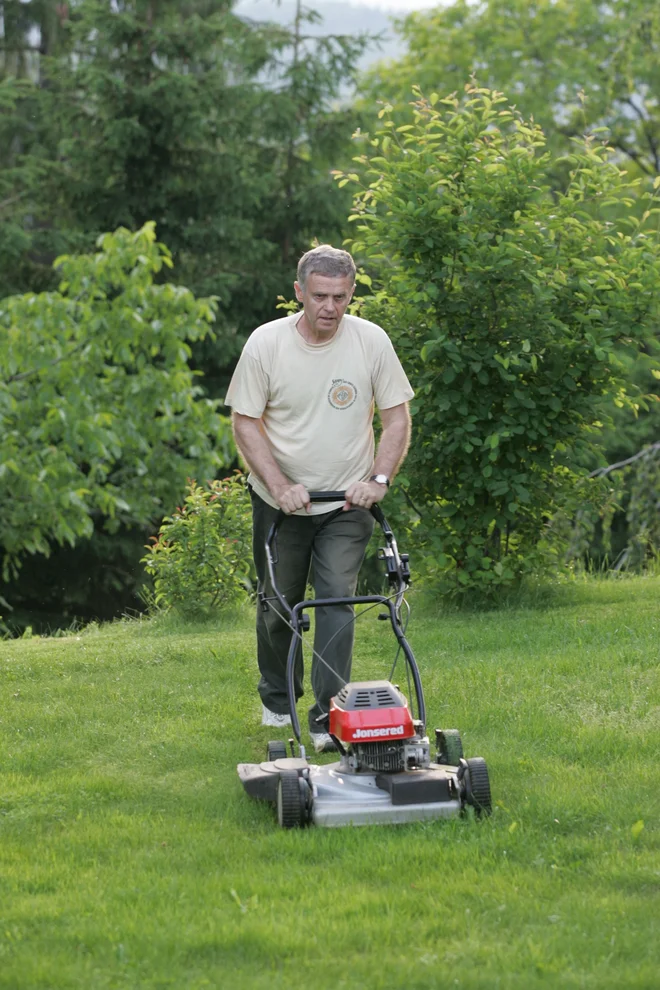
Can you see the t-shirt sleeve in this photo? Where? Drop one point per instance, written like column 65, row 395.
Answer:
column 248, row 389
column 390, row 383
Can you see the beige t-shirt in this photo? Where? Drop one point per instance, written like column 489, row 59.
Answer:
column 316, row 401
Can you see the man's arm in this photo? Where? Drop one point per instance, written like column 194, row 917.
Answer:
column 394, row 440
column 253, row 445
column 392, row 449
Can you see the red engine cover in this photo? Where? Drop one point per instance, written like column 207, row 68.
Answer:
column 372, row 725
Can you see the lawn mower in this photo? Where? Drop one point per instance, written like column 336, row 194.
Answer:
column 384, row 773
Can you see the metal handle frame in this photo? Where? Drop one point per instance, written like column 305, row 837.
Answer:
column 396, row 571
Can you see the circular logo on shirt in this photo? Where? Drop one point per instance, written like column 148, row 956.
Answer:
column 342, row 394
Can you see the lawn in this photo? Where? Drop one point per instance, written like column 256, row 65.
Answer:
column 131, row 858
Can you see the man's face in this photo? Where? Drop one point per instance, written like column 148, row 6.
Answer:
column 324, row 300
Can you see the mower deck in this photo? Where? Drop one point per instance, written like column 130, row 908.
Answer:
column 340, row 797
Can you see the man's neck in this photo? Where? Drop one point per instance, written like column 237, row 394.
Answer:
column 311, row 336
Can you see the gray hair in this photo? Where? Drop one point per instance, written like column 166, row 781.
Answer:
column 326, row 260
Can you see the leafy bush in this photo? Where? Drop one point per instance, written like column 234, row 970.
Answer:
column 201, row 559
column 101, row 416
column 508, row 305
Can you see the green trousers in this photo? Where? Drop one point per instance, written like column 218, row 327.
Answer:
column 327, row 549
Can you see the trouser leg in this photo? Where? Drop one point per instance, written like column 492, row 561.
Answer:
column 294, row 548
column 339, row 547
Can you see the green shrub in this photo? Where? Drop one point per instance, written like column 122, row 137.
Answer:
column 509, row 306
column 101, row 417
column 201, row 559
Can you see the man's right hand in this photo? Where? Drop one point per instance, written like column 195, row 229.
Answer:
column 291, row 498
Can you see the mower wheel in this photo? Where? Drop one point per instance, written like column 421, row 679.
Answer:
column 276, row 750
column 478, row 786
column 450, row 747
column 306, row 800
column 292, row 803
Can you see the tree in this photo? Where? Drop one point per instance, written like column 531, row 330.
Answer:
column 100, row 414
column 29, row 33
column 506, row 301
column 570, row 64
column 308, row 122
column 220, row 129
column 576, row 67
column 636, row 494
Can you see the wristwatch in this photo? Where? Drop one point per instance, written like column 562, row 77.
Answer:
column 381, row 479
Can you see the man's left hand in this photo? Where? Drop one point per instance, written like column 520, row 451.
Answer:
column 364, row 494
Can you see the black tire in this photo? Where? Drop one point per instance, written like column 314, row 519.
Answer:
column 478, row 789
column 450, row 747
column 276, row 750
column 291, row 811
column 306, row 801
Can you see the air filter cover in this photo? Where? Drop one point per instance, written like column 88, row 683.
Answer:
column 370, row 711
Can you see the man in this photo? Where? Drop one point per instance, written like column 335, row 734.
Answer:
column 302, row 399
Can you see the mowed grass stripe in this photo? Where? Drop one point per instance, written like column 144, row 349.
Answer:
column 130, row 856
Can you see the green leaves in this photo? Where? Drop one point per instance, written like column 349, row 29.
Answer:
column 100, row 414
column 512, row 353
column 201, row 559
column 524, row 49
column 221, row 127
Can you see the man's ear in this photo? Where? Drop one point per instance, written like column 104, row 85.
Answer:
column 298, row 291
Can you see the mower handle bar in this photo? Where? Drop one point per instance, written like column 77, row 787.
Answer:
column 394, row 565
column 314, row 497
column 327, row 496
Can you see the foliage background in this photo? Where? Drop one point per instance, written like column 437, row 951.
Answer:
column 100, row 417
column 221, row 129
column 575, row 67
column 509, row 303
column 225, row 129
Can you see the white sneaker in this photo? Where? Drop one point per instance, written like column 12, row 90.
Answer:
column 323, row 742
column 273, row 719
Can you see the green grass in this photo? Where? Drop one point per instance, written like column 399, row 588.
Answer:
column 130, row 856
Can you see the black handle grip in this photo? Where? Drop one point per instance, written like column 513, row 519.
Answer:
column 327, row 496
column 375, row 510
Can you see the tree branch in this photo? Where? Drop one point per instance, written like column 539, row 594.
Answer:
column 645, row 120
column 12, row 199
column 631, row 103
column 602, row 472
column 35, row 371
column 636, row 157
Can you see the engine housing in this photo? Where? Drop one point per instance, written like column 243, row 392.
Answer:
column 373, row 718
